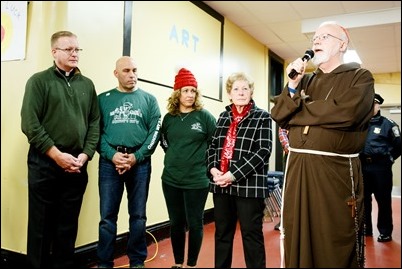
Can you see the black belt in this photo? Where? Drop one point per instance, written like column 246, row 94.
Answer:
column 375, row 159
column 124, row 149
column 368, row 159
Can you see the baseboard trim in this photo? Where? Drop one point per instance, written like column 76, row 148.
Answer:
column 86, row 255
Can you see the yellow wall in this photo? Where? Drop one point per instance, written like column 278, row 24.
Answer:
column 99, row 29
column 389, row 87
column 98, row 26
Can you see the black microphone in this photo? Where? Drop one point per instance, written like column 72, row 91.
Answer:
column 307, row 57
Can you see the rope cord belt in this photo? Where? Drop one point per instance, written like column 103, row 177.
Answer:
column 325, row 153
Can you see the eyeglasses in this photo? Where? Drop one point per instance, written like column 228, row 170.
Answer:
column 324, row 37
column 70, row 50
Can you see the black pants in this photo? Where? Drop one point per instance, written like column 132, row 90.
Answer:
column 250, row 212
column 377, row 178
column 55, row 199
column 186, row 211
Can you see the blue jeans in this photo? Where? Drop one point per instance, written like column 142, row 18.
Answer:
column 111, row 187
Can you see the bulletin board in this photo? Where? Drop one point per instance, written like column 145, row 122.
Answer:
column 167, row 36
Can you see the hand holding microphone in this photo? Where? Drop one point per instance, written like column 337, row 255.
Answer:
column 308, row 55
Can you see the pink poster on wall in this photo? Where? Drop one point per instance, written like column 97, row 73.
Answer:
column 13, row 30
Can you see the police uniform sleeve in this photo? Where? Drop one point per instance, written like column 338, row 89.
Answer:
column 396, row 141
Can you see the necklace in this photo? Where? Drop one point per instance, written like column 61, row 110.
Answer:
column 183, row 118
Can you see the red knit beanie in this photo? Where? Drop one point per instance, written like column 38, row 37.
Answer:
column 184, row 78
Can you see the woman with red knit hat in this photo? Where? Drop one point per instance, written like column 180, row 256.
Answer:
column 186, row 130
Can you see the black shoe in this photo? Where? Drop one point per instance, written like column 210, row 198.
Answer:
column 384, row 238
column 276, row 228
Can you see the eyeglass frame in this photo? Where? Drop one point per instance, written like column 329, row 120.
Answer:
column 70, row 51
column 324, row 37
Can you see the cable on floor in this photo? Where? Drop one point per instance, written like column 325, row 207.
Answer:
column 150, row 259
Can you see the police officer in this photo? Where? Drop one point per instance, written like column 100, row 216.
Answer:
column 382, row 148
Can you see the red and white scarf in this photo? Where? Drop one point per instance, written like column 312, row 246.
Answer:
column 230, row 139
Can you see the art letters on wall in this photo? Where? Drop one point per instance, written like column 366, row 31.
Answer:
column 183, row 35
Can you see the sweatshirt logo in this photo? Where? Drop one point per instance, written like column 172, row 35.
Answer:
column 125, row 114
column 196, row 126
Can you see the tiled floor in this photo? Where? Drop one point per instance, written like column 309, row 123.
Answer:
column 378, row 255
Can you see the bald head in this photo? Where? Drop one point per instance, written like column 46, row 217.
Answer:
column 330, row 43
column 126, row 73
column 125, row 61
column 336, row 29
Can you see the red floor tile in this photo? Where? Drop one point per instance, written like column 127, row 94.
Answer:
column 378, row 255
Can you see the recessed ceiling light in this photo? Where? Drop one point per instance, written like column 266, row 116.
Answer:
column 351, row 56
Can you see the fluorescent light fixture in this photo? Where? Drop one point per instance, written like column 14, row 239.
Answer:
column 354, row 20
column 351, row 56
